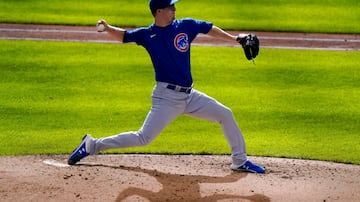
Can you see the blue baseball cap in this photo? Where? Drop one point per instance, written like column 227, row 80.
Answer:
column 159, row 4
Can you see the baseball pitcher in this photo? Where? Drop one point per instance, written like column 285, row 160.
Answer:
column 168, row 42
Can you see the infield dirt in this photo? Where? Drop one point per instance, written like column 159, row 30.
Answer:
column 173, row 178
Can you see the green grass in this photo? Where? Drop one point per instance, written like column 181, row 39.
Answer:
column 299, row 104
column 333, row 16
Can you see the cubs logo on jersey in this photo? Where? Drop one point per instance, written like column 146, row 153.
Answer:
column 181, row 42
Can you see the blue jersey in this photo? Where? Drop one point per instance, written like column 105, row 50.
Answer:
column 169, row 48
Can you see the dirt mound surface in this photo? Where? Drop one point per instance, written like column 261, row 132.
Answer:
column 173, row 178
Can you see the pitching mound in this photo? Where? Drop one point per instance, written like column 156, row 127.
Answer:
column 173, row 178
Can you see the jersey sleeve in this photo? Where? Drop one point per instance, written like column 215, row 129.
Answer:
column 203, row 26
column 198, row 26
column 135, row 35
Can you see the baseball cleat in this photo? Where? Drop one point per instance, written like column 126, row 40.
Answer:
column 248, row 167
column 82, row 151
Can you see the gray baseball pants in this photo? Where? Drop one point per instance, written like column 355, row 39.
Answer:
column 168, row 104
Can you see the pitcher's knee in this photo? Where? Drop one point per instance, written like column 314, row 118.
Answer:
column 144, row 138
column 226, row 114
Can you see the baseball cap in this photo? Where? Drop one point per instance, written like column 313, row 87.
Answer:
column 159, row 4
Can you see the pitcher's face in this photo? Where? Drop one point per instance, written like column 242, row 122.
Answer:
column 169, row 13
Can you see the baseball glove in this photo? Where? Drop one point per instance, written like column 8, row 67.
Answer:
column 250, row 44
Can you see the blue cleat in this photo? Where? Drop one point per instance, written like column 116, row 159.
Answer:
column 82, row 151
column 248, row 167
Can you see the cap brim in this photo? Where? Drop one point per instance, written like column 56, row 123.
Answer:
column 173, row 2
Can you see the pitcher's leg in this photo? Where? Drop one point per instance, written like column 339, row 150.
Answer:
column 160, row 115
column 203, row 106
